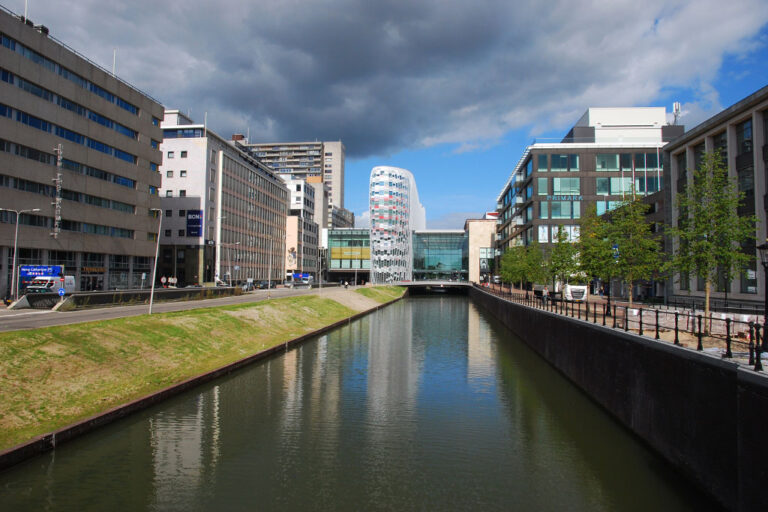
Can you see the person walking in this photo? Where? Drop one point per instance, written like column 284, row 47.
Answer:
column 545, row 295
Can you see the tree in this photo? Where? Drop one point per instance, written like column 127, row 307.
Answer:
column 596, row 256
column 513, row 265
column 535, row 264
column 562, row 258
column 710, row 235
column 639, row 251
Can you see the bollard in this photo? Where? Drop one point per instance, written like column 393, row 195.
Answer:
column 751, row 352
column 640, row 329
column 626, row 318
column 728, row 352
column 677, row 317
column 699, row 346
column 578, row 309
column 758, row 350
column 657, row 324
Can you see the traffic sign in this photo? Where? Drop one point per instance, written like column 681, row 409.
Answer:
column 62, row 291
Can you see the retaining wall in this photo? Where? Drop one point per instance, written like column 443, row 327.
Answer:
column 706, row 416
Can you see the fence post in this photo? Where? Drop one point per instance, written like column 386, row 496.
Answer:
column 640, row 329
column 728, row 352
column 594, row 314
column 614, row 316
column 677, row 318
column 657, row 324
column 578, row 309
column 751, row 343
column 604, row 307
column 758, row 349
column 699, row 346
column 626, row 318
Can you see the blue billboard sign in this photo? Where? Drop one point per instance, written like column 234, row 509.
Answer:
column 194, row 222
column 29, row 272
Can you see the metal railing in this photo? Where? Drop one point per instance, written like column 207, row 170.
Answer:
column 739, row 337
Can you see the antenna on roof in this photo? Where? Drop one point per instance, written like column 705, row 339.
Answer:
column 114, row 60
column 676, row 111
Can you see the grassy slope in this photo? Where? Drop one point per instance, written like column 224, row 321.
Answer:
column 55, row 376
column 382, row 294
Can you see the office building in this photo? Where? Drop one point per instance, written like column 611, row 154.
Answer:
column 349, row 255
column 224, row 211
column 395, row 213
column 610, row 154
column 740, row 133
column 80, row 147
column 302, row 256
column 304, row 159
column 440, row 255
column 481, row 241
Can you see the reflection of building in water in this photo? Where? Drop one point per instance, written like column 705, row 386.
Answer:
column 185, row 445
column 394, row 365
column 481, row 353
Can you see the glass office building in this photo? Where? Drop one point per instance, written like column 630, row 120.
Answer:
column 349, row 254
column 440, row 255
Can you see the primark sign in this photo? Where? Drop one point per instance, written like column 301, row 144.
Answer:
column 565, row 198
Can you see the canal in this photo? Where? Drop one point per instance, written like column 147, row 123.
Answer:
column 428, row 404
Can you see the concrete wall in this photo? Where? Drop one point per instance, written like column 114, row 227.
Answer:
column 706, row 416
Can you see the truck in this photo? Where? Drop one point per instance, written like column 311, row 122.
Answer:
column 47, row 284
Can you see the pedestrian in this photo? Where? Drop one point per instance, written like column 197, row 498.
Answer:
column 346, row 284
column 545, row 295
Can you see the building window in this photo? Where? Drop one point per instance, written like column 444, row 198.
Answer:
column 154, row 143
column 603, row 187
column 155, row 121
column 621, row 185
column 544, row 210
column 169, row 213
column 744, row 137
column 563, row 186
column 181, row 232
column 542, row 186
column 169, row 174
column 183, row 154
column 608, row 162
column 153, row 166
column 183, row 174
column 167, row 233
column 170, row 154
column 169, row 193
column 182, row 193
column 182, row 213
column 543, row 166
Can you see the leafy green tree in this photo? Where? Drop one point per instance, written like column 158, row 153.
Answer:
column 535, row 264
column 639, row 250
column 594, row 246
column 513, row 265
column 710, row 234
column 562, row 262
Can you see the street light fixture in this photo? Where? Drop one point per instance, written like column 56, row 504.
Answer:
column 763, row 249
column 14, row 284
column 157, row 253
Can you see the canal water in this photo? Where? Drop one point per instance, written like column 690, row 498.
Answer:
column 428, row 404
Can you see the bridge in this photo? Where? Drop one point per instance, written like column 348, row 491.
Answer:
column 445, row 286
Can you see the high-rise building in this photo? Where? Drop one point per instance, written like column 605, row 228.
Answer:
column 608, row 155
column 302, row 232
column 304, row 159
column 224, row 211
column 395, row 214
column 79, row 156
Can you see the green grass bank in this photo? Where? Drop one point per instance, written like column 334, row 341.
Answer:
column 55, row 376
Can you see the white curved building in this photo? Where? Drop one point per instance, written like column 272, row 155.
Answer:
column 395, row 214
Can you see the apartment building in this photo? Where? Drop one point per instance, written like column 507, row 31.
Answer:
column 79, row 159
column 224, row 212
column 302, row 256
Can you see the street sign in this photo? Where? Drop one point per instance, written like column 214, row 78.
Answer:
column 62, row 291
column 163, row 279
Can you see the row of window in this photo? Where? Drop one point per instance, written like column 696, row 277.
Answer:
column 604, row 186
column 50, row 159
column 70, row 195
column 35, row 57
column 48, row 127
column 66, row 225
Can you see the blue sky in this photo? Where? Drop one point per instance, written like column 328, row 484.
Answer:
column 449, row 89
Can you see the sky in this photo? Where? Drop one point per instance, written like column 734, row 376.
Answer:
column 451, row 90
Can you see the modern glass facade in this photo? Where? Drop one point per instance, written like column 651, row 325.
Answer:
column 349, row 249
column 440, row 255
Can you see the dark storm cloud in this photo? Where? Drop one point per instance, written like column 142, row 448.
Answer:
column 388, row 75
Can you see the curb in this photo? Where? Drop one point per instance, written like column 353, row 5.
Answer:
column 49, row 441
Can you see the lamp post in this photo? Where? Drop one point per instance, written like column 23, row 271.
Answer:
column 157, row 253
column 229, row 257
column 18, row 213
column 763, row 249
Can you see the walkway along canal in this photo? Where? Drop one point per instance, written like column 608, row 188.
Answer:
column 427, row 404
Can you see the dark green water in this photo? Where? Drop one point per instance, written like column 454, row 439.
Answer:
column 429, row 404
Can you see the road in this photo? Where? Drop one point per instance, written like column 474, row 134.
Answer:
column 14, row 320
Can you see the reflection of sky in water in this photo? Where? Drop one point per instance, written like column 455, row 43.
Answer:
column 425, row 404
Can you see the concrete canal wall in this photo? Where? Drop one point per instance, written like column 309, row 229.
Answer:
column 706, row 416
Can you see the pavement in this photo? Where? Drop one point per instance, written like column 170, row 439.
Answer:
column 14, row 320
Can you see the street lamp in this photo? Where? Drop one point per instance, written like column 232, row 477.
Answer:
column 763, row 249
column 157, row 253
column 229, row 257
column 18, row 213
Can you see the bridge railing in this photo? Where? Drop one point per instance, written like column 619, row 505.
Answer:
column 740, row 337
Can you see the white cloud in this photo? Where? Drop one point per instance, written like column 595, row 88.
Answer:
column 389, row 75
column 363, row 219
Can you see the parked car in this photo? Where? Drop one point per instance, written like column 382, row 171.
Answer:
column 263, row 285
column 496, row 279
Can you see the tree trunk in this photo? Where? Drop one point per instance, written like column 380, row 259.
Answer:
column 630, row 291
column 707, row 294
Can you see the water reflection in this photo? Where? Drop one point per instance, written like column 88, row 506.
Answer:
column 426, row 404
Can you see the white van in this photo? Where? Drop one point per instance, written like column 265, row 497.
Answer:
column 575, row 292
column 42, row 284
